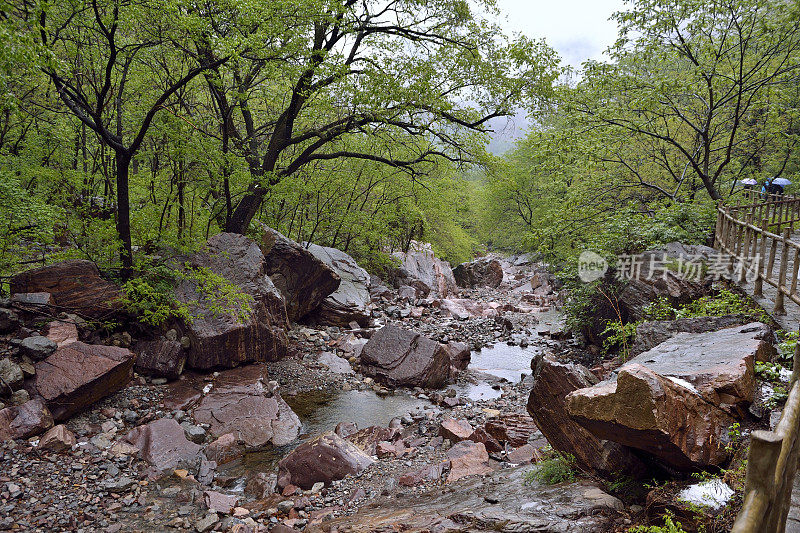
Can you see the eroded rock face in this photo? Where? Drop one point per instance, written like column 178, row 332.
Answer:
column 719, row 364
column 350, row 302
column 565, row 508
column 75, row 285
column 78, row 375
column 231, row 336
column 26, row 420
column 241, row 403
column 163, row 444
column 483, row 272
column 652, row 333
column 160, row 357
column 514, row 429
column 655, row 414
column 325, row 458
column 403, row 358
column 547, row 406
column 421, row 269
column 304, row 280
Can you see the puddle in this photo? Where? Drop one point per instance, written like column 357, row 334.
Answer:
column 504, row 361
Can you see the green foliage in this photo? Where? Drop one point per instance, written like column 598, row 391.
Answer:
column 670, row 526
column 725, row 302
column 787, row 346
column 768, row 371
column 220, row 296
column 151, row 296
column 619, row 336
column 555, row 468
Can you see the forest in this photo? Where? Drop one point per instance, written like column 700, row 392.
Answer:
column 128, row 128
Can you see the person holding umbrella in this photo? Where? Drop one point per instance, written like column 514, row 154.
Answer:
column 779, row 184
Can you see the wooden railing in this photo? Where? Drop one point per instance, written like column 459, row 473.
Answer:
column 757, row 234
column 753, row 233
column 771, row 466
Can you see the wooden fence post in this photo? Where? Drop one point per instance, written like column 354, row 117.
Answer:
column 779, row 308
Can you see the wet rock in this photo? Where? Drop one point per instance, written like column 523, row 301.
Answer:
column 407, row 292
column 460, row 355
column 163, row 444
column 325, row 458
column 303, row 279
column 350, row 302
column 652, row 333
column 719, row 364
column 399, row 357
column 467, row 458
column 33, row 301
column 655, row 414
column 261, row 485
column 515, row 429
column 482, row 272
column 62, row 333
column 455, row 430
column 335, row 363
column 240, row 403
column 206, row 523
column 368, row 438
column 57, row 439
column 75, row 285
column 420, row 268
column 253, row 331
column 160, row 357
column 37, row 347
column 78, row 374
column 225, row 449
column 10, row 375
column 26, row 420
column 9, row 321
column 345, row 429
column 547, row 407
column 565, row 508
column 524, row 454
column 480, row 435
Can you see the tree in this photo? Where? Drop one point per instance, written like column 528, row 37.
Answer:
column 688, row 91
column 425, row 74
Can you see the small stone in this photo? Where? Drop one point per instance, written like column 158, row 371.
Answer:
column 207, row 523
column 19, row 397
column 37, row 347
column 317, row 487
column 159, row 381
column 285, row 506
column 194, row 433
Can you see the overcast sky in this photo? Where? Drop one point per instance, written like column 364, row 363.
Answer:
column 577, row 29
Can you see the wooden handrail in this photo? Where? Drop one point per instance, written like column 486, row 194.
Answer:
column 743, row 232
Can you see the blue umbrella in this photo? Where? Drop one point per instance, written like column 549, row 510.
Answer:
column 783, row 182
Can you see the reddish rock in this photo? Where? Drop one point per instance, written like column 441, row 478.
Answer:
column 455, row 430
column 75, row 285
column 26, row 420
column 399, row 357
column 467, row 458
column 57, row 439
column 419, row 476
column 524, row 454
column 480, row 435
column 304, row 280
column 460, row 355
column 78, row 375
column 62, row 333
column 546, row 404
column 224, row 450
column 345, row 429
column 222, row 503
column 261, row 485
column 649, row 412
column 240, row 403
column 325, row 458
column 483, row 272
column 368, row 438
column 384, row 449
column 160, row 357
column 515, row 429
column 350, row 302
column 163, row 444
column 253, row 331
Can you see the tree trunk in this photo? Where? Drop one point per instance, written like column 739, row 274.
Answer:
column 245, row 211
column 124, row 214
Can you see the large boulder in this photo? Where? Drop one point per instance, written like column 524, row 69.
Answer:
column 228, row 333
column 242, row 403
column 26, row 420
column 350, row 302
column 718, row 364
column 421, row 269
column 75, row 285
column 160, row 357
column 546, row 405
column 482, row 272
column 667, row 418
column 638, row 293
column 652, row 333
column 399, row 357
column 304, row 280
column 164, row 445
column 325, row 458
column 78, row 375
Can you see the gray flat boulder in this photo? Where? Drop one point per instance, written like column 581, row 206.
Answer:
column 399, row 357
column 350, row 302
